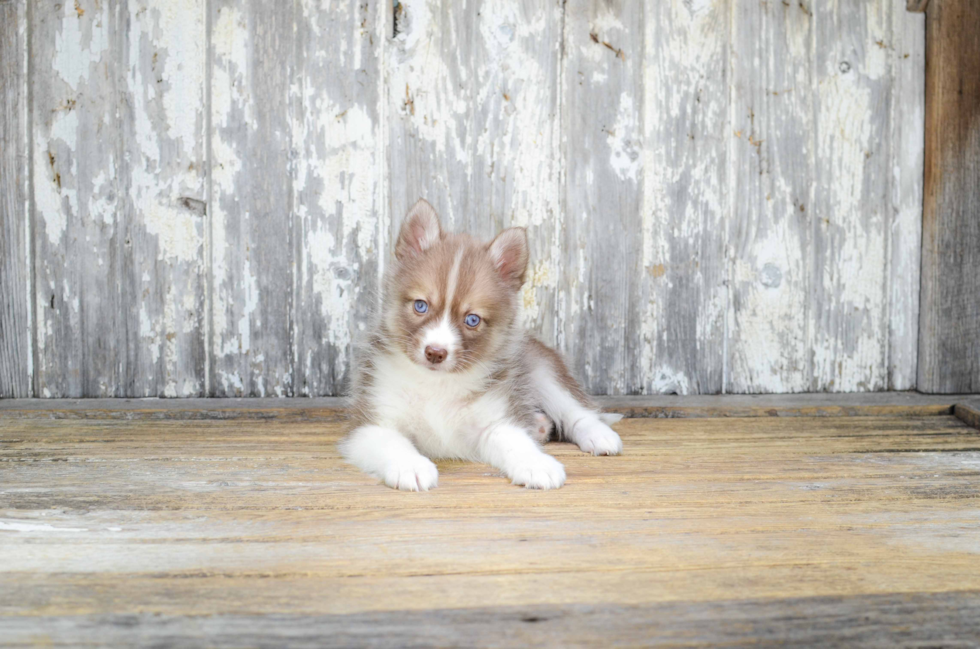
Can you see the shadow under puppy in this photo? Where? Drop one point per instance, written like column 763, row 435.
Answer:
column 448, row 372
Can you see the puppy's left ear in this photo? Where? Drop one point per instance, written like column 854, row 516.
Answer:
column 508, row 252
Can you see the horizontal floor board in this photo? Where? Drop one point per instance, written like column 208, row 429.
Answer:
column 334, row 408
column 110, row 520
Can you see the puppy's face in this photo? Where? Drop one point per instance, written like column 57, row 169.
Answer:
column 451, row 300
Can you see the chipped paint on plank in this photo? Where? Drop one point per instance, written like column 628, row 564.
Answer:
column 771, row 153
column 337, row 180
column 685, row 199
column 474, row 127
column 907, row 135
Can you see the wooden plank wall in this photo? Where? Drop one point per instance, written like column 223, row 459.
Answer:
column 722, row 195
column 16, row 343
column 949, row 341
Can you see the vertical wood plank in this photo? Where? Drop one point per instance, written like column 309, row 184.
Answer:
column 851, row 206
column 474, row 128
column 949, row 316
column 76, row 152
column 337, row 183
column 118, row 169
column 907, row 124
column 771, row 184
column 602, row 142
column 252, row 54
column 16, row 361
column 685, row 196
column 163, row 219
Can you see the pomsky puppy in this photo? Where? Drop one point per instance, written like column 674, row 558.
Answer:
column 447, row 372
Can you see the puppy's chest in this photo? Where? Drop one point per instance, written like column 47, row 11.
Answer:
column 437, row 410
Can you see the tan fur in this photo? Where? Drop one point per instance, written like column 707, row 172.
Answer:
column 487, row 283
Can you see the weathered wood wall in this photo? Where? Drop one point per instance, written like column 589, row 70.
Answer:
column 949, row 342
column 199, row 196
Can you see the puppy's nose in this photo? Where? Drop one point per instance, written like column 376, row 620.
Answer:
column 435, row 354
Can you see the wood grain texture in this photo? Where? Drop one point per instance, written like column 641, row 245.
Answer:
column 16, row 329
column 949, row 323
column 879, row 621
column 473, row 105
column 907, row 124
column 252, row 229
column 724, row 525
column 850, row 209
column 602, row 147
column 721, row 196
column 895, row 404
column 773, row 168
column 968, row 413
column 686, row 201
column 118, row 167
column 826, row 152
column 337, row 156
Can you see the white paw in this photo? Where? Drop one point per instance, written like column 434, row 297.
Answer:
column 540, row 471
column 412, row 474
column 541, row 432
column 597, row 438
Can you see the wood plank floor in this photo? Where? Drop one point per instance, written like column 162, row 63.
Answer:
column 711, row 531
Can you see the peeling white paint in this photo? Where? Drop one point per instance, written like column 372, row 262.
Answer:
column 479, row 126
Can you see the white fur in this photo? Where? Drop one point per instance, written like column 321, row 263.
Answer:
column 386, row 454
column 581, row 425
column 435, row 414
column 444, row 336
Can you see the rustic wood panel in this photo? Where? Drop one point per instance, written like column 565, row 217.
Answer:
column 720, row 195
column 850, row 209
column 252, row 229
column 949, row 324
column 906, row 619
column 118, row 168
column 337, row 154
column 773, row 168
column 111, row 520
column 685, row 197
column 602, row 147
column 163, row 217
column 473, row 109
column 76, row 150
column 907, row 124
column 895, row 404
column 16, row 330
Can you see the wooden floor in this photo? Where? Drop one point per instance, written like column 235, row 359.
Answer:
column 249, row 531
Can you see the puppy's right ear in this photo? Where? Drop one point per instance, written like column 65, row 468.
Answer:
column 420, row 230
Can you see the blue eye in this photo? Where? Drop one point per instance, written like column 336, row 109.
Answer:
column 421, row 306
column 472, row 320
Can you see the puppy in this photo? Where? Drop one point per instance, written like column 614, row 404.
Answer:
column 447, row 371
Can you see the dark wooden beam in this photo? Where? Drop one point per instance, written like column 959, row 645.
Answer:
column 949, row 317
column 917, row 6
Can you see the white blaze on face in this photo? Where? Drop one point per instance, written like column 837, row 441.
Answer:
column 444, row 335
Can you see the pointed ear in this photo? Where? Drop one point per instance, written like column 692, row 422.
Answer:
column 509, row 255
column 419, row 231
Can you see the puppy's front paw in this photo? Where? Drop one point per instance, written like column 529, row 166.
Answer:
column 539, row 471
column 412, row 474
column 597, row 438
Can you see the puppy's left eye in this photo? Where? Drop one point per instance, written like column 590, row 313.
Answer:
column 421, row 306
column 472, row 320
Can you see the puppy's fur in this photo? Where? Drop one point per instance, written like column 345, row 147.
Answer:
column 431, row 384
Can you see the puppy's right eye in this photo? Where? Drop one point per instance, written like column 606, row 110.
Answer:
column 421, row 306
